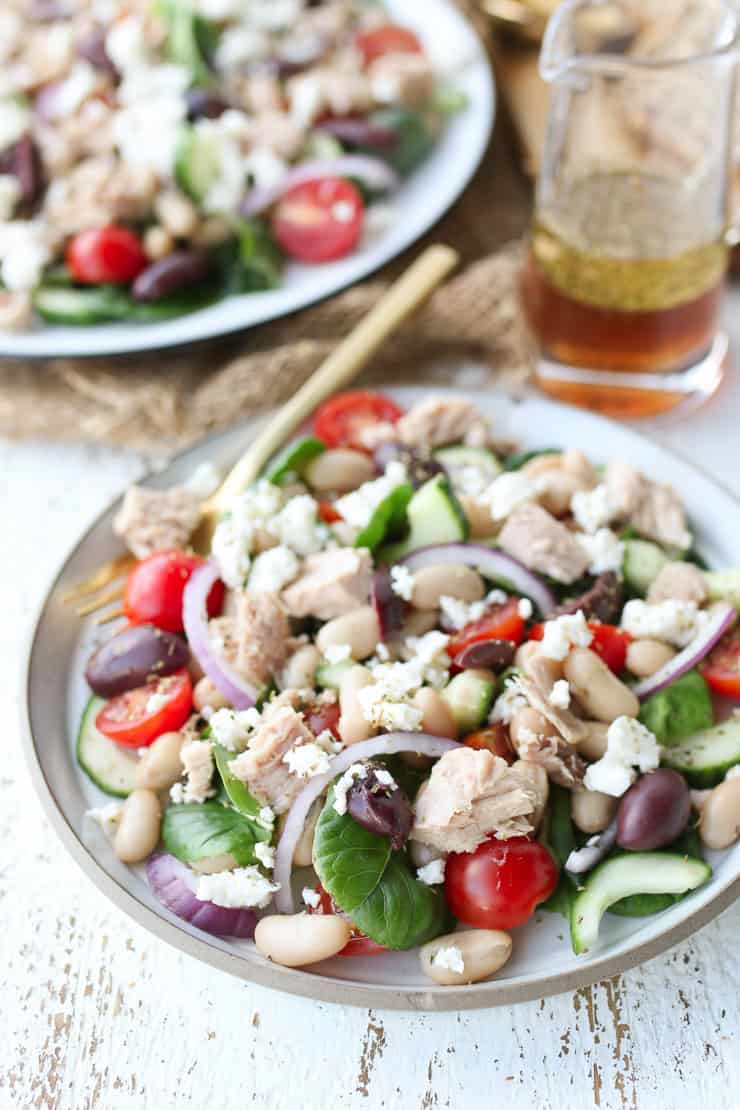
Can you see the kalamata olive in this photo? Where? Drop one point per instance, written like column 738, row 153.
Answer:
column 389, row 607
column 380, row 807
column 92, row 49
column 23, row 161
column 299, row 52
column 358, row 131
column 175, row 271
column 420, row 467
column 602, row 602
column 493, row 655
column 654, row 811
column 204, row 104
column 134, row 656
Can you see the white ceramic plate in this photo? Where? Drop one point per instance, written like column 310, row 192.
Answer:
column 420, row 202
column 542, row 963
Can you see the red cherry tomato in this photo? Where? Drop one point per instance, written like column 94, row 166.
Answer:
column 499, row 884
column 321, row 717
column 106, row 255
column 390, row 38
column 139, row 716
column 319, row 221
column 328, row 513
column 500, row 622
column 494, row 739
column 609, row 642
column 154, row 589
column 358, row 944
column 341, row 419
column 721, row 668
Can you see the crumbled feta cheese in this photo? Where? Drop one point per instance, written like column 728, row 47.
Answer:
column 307, row 760
column 510, row 700
column 733, row 773
column 155, row 702
column 358, row 507
column 591, row 508
column 205, row 480
column 674, row 622
column 382, row 653
column 560, row 694
column 432, row 873
column 343, row 784
column 265, row 854
column 385, row 778
column 391, row 713
column 177, row 794
column 242, row 887
column 297, row 526
column 328, row 742
column 311, row 897
column 450, row 958
column 470, row 481
column 630, row 745
column 428, row 655
column 402, row 582
column 507, row 492
column 126, row 44
column 456, row 614
column 239, row 45
column 231, row 728
column 74, row 89
column 266, row 818
column 525, row 607
column 563, row 633
column 15, row 118
column 147, row 127
column 306, row 99
column 24, row 252
column 234, row 537
column 604, row 549
column 337, row 653
column 196, row 757
column 272, row 569
column 107, row 817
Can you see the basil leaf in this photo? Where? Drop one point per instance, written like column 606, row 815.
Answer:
column 192, row 832
column 237, row 792
column 681, row 709
column 374, row 885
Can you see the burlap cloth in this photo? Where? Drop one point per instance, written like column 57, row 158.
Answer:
column 157, row 402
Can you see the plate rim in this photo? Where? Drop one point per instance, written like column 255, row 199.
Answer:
column 309, row 984
column 134, row 340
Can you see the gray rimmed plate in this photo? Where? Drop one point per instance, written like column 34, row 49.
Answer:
column 542, row 964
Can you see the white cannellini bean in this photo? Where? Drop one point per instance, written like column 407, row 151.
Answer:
column 592, row 811
column 352, row 725
column 206, row 693
column 210, row 865
column 303, row 855
column 160, row 766
column 526, row 721
column 645, row 657
column 719, row 817
column 419, row 622
column 479, row 517
column 483, row 951
column 555, row 490
column 299, row 673
column 137, row 834
column 299, row 939
column 598, row 689
column 594, row 744
column 359, row 629
column 339, row 471
column 446, row 580
column 438, row 718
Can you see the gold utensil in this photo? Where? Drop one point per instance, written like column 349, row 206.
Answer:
column 341, row 367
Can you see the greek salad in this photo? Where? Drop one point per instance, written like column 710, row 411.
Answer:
column 158, row 155
column 422, row 686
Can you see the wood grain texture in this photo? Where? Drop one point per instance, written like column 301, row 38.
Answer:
column 96, row 1013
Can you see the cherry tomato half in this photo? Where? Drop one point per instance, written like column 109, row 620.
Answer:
column 341, row 419
column 106, row 255
column 135, row 719
column 327, row 512
column 321, row 717
column 608, row 641
column 358, row 944
column 154, row 589
column 390, row 38
column 721, row 668
column 319, row 221
column 493, row 739
column 499, row 884
column 500, row 622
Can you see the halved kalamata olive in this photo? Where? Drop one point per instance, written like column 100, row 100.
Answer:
column 23, row 161
column 175, row 271
column 420, row 467
column 380, row 806
column 299, row 52
column 390, row 609
column 654, row 811
column 92, row 49
column 602, row 602
column 134, row 656
column 204, row 104
column 358, row 131
column 493, row 655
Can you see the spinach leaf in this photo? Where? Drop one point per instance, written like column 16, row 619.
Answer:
column 681, row 709
column 252, row 263
column 192, row 832
column 374, row 885
column 235, row 789
column 516, row 462
column 389, row 519
column 561, row 841
column 191, row 39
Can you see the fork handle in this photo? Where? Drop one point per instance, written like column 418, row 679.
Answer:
column 343, row 364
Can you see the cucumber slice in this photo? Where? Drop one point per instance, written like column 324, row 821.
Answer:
column 724, row 585
column 329, row 675
column 460, row 461
column 470, row 696
column 197, row 162
column 622, row 876
column 706, row 757
column 642, row 564
column 435, row 516
column 293, row 458
column 389, row 519
column 108, row 764
column 81, row 306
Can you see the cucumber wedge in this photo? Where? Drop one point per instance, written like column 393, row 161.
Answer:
column 724, row 585
column 197, row 162
column 329, row 675
column 435, row 516
column 456, row 460
column 705, row 758
column 622, row 876
column 643, row 562
column 470, row 697
column 293, row 458
column 108, row 764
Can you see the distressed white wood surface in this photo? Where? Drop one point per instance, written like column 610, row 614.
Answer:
column 96, row 1013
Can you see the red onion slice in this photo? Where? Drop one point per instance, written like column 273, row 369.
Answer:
column 371, row 171
column 593, row 851
column 175, row 885
column 721, row 619
column 195, row 622
column 493, row 564
column 392, row 742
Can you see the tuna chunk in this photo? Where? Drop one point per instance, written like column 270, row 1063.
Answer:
column 679, row 582
column 442, row 420
column 470, row 795
column 562, row 763
column 539, row 541
column 261, row 767
column 653, row 509
column 156, row 519
column 537, row 687
column 331, row 584
column 256, row 639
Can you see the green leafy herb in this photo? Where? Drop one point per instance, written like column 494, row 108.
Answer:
column 389, row 519
column 293, row 458
column 413, row 138
column 561, row 841
column 516, row 462
column 192, row 832
column 191, row 39
column 235, row 789
column 681, row 709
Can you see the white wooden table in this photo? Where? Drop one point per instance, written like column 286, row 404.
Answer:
column 94, row 1012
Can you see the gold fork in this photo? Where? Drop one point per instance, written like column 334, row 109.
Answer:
column 341, row 367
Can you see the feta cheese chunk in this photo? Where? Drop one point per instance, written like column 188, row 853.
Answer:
column 106, row 817
column 432, row 873
column 307, row 760
column 358, row 507
column 24, row 252
column 311, row 897
column 337, row 653
column 673, row 622
column 507, row 492
column 244, row 887
column 525, row 607
column 507, row 703
column 604, row 549
column 297, row 525
column 205, row 480
column 560, row 694
column 402, row 582
column 630, row 745
column 450, row 958
column 563, row 633
column 265, row 854
column 591, row 508
column 456, row 614
column 272, row 569
column 231, row 728
column 342, row 785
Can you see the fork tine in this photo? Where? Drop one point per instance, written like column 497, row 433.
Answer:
column 105, row 618
column 103, row 576
column 116, row 594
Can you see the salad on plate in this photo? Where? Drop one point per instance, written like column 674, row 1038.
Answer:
column 159, row 155
column 423, row 686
